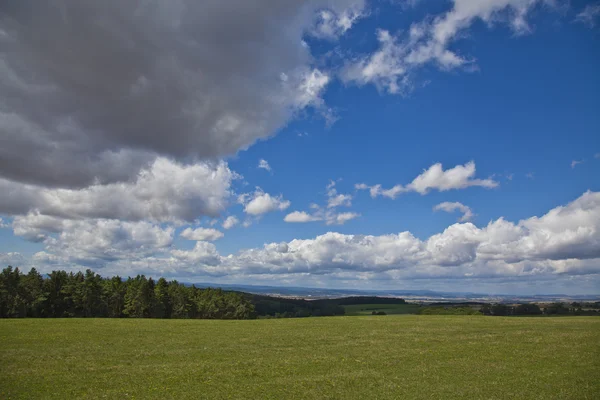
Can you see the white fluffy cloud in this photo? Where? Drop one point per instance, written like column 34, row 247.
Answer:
column 230, row 222
column 566, row 240
column 335, row 199
column 98, row 242
column 259, row 203
column 341, row 218
column 456, row 206
column 434, row 178
column 301, row 216
column 328, row 213
column 164, row 191
column 201, row 234
column 389, row 67
column 560, row 241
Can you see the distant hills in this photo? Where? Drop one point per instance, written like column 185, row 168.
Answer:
column 410, row 295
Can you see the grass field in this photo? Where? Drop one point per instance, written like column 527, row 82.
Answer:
column 391, row 357
column 367, row 309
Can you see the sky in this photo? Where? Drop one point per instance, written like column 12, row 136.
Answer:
column 395, row 144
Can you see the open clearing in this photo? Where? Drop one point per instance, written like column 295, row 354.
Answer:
column 371, row 357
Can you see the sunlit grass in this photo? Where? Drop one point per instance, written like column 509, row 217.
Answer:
column 391, row 357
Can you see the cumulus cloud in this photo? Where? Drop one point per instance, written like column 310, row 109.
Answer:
column 259, row 203
column 264, row 165
column 203, row 253
column 335, row 199
column 154, row 77
column 327, row 213
column 434, row 178
column 230, row 222
column 95, row 242
column 456, row 206
column 564, row 241
column 341, row 218
column 389, row 67
column 164, row 191
column 301, row 216
column 13, row 259
column 559, row 242
column 3, row 224
column 201, row 234
column 589, row 15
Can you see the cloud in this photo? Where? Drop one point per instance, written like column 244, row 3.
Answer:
column 331, row 23
column 589, row 15
column 342, row 218
column 3, row 224
column 574, row 163
column 95, row 243
column 565, row 242
column 181, row 79
column 556, row 243
column 201, row 234
column 260, row 203
column 335, row 199
column 230, row 222
column 301, row 216
column 203, row 253
column 264, row 165
column 530, row 175
column 456, row 206
column 434, row 178
column 165, row 191
column 13, row 259
column 328, row 213
column 389, row 68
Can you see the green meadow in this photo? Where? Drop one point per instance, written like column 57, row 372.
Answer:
column 364, row 357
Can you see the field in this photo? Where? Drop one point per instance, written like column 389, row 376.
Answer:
column 367, row 309
column 371, row 357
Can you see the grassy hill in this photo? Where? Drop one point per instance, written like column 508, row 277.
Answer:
column 404, row 356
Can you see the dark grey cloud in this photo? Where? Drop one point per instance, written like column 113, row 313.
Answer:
column 91, row 91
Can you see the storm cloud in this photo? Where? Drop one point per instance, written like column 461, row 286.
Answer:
column 91, row 91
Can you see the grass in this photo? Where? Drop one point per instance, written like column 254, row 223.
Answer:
column 367, row 309
column 392, row 357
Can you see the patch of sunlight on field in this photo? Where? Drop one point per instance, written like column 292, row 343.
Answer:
column 392, row 357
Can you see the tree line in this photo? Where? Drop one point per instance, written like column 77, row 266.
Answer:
column 557, row 308
column 61, row 295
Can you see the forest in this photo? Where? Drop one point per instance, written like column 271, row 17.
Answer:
column 61, row 294
column 64, row 295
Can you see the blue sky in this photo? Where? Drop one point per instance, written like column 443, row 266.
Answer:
column 509, row 88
